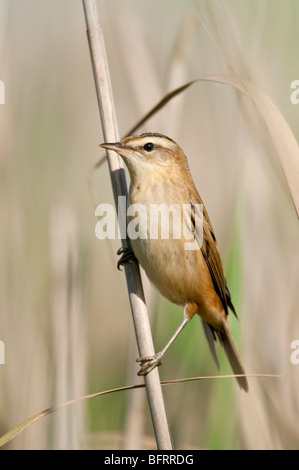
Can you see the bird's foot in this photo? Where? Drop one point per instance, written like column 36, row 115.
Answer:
column 127, row 255
column 148, row 363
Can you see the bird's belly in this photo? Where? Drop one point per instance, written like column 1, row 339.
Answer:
column 180, row 274
column 168, row 266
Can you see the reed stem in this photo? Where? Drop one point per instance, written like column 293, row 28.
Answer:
column 134, row 284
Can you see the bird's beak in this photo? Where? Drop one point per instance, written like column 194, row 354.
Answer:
column 115, row 146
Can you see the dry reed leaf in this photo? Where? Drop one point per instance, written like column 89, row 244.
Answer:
column 281, row 135
column 25, row 424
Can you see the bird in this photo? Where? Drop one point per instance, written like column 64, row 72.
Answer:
column 193, row 278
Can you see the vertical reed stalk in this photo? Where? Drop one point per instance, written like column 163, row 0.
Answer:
column 135, row 289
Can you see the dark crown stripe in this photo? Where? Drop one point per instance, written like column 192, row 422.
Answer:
column 155, row 134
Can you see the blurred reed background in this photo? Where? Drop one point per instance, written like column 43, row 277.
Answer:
column 64, row 314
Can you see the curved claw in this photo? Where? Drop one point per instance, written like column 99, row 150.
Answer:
column 127, row 256
column 148, row 363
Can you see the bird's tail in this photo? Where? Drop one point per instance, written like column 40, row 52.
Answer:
column 230, row 348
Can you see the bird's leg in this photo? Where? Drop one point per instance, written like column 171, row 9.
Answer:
column 148, row 363
column 127, row 255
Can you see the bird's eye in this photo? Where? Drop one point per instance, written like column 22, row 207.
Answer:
column 148, row 147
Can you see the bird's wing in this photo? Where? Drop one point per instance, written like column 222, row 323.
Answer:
column 212, row 258
column 211, row 254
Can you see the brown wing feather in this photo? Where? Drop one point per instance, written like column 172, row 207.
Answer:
column 212, row 257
